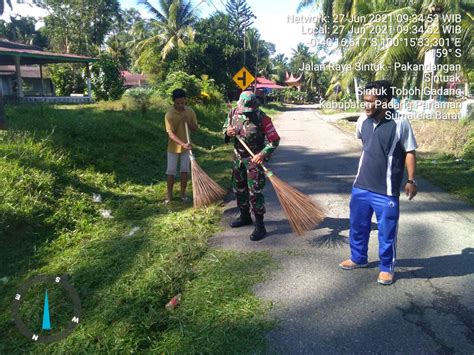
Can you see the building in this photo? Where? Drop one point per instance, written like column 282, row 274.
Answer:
column 31, row 78
column 28, row 86
column 132, row 80
column 290, row 80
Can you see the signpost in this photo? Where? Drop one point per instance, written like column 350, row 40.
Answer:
column 243, row 78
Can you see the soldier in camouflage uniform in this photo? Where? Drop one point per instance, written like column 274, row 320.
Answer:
column 256, row 129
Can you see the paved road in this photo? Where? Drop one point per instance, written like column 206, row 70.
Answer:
column 322, row 309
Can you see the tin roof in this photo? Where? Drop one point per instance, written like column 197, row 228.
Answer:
column 34, row 55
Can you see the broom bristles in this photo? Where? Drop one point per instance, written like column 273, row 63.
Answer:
column 205, row 190
column 302, row 213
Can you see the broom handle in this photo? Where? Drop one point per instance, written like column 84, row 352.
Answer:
column 187, row 137
column 250, row 152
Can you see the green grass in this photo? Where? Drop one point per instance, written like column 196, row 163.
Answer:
column 273, row 109
column 450, row 173
column 52, row 159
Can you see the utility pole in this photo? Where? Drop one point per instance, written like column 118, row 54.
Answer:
column 245, row 50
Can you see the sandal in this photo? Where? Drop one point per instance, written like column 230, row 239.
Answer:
column 386, row 278
column 350, row 265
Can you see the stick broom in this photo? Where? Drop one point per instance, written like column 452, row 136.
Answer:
column 205, row 190
column 302, row 213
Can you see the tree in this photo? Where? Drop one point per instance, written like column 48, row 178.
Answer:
column 80, row 27
column 430, row 25
column 240, row 15
column 22, row 29
column 173, row 22
column 280, row 63
column 317, row 82
column 106, row 80
column 118, row 42
column 300, row 55
column 216, row 52
column 257, row 50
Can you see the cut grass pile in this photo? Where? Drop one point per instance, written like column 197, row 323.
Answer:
column 124, row 268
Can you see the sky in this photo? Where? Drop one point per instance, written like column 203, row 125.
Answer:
column 272, row 18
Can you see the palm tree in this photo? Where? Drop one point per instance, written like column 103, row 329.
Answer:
column 174, row 22
column 433, row 23
column 301, row 51
column 141, row 31
column 280, row 66
column 387, row 55
column 301, row 55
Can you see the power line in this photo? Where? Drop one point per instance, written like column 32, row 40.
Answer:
column 212, row 3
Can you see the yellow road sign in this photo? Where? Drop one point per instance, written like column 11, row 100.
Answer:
column 243, row 78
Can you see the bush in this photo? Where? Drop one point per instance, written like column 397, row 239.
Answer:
column 468, row 151
column 198, row 90
column 67, row 79
column 210, row 93
column 293, row 96
column 106, row 79
column 181, row 80
column 137, row 99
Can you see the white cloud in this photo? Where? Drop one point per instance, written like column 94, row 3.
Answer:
column 24, row 10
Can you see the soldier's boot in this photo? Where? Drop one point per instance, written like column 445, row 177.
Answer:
column 243, row 220
column 259, row 232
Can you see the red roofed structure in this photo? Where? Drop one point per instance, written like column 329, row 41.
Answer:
column 264, row 83
column 134, row 80
column 290, row 80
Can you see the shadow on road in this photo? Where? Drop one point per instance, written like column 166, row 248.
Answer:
column 438, row 266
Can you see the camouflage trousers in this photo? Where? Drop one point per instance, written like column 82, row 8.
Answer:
column 248, row 181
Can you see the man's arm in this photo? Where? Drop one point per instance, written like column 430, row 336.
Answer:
column 192, row 122
column 273, row 140
column 227, row 129
column 178, row 141
column 409, row 144
column 360, row 120
column 410, row 188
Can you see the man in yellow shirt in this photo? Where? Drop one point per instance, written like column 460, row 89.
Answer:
column 178, row 146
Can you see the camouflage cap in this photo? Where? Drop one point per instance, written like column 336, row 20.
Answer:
column 247, row 102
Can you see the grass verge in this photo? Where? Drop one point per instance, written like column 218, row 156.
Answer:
column 124, row 268
column 273, row 109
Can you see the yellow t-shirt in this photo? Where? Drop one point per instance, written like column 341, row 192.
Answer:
column 174, row 123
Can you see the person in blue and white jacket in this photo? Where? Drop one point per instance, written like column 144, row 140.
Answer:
column 388, row 145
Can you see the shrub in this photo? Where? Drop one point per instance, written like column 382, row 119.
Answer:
column 106, row 79
column 181, row 80
column 67, row 79
column 210, row 93
column 198, row 90
column 137, row 99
